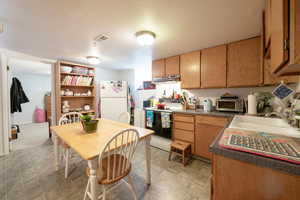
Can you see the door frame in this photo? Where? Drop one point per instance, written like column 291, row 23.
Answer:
column 5, row 116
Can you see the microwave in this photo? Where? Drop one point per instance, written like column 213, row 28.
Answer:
column 230, row 105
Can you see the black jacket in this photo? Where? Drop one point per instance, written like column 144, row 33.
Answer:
column 17, row 96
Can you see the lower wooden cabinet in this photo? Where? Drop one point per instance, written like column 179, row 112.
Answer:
column 207, row 129
column 183, row 129
column 199, row 130
column 234, row 179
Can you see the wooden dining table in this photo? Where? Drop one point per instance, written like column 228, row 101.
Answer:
column 90, row 145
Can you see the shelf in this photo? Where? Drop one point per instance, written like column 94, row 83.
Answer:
column 77, row 96
column 75, row 74
column 83, row 112
column 86, row 86
column 71, row 64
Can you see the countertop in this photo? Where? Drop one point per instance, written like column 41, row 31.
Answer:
column 254, row 159
column 196, row 112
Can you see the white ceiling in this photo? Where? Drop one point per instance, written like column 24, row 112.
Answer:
column 18, row 66
column 64, row 29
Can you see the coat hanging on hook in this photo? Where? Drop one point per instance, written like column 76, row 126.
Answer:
column 17, row 96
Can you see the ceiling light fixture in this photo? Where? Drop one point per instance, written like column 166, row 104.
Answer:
column 145, row 38
column 93, row 60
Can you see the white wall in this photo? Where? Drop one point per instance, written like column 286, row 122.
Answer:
column 106, row 74
column 35, row 87
column 128, row 75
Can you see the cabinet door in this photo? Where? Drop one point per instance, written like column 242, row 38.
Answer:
column 172, row 66
column 271, row 79
column 244, row 63
column 204, row 137
column 158, row 68
column 268, row 23
column 213, row 67
column 190, row 70
column 279, row 38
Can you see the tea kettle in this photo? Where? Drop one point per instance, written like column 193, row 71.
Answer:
column 207, row 105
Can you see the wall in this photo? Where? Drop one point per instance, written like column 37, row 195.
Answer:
column 128, row 75
column 35, row 87
column 106, row 74
column 213, row 94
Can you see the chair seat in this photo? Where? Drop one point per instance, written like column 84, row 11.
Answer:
column 116, row 160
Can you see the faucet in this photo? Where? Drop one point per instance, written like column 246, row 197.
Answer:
column 277, row 114
column 288, row 117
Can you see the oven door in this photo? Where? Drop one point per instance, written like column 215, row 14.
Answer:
column 227, row 105
column 158, row 128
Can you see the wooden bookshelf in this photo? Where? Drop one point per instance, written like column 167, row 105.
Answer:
column 78, row 84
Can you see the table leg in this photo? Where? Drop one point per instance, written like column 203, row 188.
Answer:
column 148, row 159
column 93, row 178
column 56, row 151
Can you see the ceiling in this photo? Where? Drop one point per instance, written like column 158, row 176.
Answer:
column 64, row 29
column 18, row 66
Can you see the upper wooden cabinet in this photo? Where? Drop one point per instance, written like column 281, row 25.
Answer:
column 213, row 67
column 271, row 79
column 190, row 70
column 172, row 66
column 280, row 33
column 244, row 63
column 267, row 22
column 158, row 68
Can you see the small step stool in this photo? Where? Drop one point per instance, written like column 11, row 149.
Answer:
column 182, row 149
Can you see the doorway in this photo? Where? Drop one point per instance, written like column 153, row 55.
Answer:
column 29, row 122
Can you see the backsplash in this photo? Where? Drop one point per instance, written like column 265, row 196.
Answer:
column 213, row 94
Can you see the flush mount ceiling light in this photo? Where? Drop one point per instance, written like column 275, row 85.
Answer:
column 93, row 60
column 145, row 38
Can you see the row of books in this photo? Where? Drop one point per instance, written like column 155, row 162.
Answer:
column 77, row 80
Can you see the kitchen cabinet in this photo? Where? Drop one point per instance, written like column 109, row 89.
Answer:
column 207, row 129
column 271, row 79
column 234, row 179
column 183, row 128
column 158, row 68
column 172, row 66
column 244, row 67
column 213, row 67
column 282, row 26
column 190, row 70
column 280, row 33
column 267, row 22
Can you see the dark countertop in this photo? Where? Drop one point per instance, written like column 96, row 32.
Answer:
column 197, row 112
column 254, row 159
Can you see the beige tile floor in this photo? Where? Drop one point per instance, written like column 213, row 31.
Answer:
column 29, row 175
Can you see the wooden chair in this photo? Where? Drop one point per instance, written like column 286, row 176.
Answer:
column 68, row 118
column 114, row 163
column 124, row 117
column 182, row 149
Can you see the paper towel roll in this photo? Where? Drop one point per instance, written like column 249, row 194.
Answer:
column 252, row 104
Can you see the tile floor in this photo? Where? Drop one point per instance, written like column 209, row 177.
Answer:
column 29, row 175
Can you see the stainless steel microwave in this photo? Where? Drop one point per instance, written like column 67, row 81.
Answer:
column 231, row 105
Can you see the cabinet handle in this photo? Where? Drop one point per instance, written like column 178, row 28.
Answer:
column 286, row 45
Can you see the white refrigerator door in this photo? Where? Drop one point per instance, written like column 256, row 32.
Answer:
column 111, row 108
column 110, row 89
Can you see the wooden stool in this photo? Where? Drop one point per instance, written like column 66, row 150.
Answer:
column 182, row 149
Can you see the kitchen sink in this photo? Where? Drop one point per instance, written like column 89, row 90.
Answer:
column 264, row 124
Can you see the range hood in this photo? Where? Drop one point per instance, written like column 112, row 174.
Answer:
column 166, row 79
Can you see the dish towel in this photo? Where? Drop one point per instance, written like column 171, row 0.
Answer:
column 150, row 118
column 165, row 120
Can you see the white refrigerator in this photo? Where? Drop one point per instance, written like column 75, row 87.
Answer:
column 113, row 99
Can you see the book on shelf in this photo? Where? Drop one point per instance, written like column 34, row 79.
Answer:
column 77, row 80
